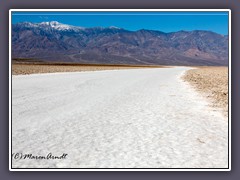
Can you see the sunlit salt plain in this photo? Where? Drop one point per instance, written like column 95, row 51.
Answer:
column 139, row 118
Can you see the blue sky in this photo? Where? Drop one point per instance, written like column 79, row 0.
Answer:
column 162, row 21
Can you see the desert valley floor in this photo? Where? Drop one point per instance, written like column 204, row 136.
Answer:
column 132, row 118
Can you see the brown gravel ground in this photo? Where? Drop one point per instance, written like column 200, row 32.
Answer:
column 213, row 82
column 28, row 68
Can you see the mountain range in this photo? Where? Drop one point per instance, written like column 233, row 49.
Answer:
column 55, row 42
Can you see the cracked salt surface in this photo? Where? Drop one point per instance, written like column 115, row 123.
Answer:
column 139, row 118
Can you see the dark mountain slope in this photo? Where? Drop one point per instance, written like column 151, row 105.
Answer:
column 54, row 41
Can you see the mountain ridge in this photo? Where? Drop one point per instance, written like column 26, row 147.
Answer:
column 54, row 41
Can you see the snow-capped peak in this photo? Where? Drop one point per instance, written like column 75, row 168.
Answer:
column 59, row 26
column 114, row 27
column 51, row 23
column 62, row 27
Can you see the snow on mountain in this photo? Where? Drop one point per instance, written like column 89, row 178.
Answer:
column 59, row 26
column 114, row 27
column 52, row 25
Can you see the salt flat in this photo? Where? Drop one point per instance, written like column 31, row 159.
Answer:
column 139, row 118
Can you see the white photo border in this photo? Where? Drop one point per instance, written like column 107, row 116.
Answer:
column 120, row 169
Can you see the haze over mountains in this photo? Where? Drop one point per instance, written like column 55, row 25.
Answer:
column 53, row 41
